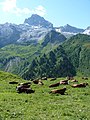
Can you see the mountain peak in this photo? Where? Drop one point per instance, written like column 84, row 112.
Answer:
column 36, row 20
column 69, row 28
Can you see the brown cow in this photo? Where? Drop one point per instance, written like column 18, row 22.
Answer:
column 64, row 82
column 80, row 85
column 54, row 85
column 59, row 91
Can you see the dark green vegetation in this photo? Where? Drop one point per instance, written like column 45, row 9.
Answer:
column 41, row 105
column 55, row 64
column 78, row 52
column 70, row 58
column 53, row 56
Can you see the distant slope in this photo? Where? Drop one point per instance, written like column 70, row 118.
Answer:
column 78, row 51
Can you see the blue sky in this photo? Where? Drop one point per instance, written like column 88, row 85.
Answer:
column 59, row 12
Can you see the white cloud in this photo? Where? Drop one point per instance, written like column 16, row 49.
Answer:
column 10, row 6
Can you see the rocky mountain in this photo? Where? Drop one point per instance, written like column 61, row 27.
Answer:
column 9, row 34
column 21, row 44
column 68, row 30
column 36, row 20
column 33, row 34
column 33, row 30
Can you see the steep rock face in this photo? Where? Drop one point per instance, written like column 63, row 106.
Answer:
column 34, row 29
column 33, row 35
column 8, row 34
column 36, row 20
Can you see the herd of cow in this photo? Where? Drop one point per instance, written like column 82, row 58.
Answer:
column 25, row 87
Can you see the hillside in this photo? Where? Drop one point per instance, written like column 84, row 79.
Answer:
column 78, row 52
column 54, row 64
column 39, row 105
column 72, row 58
column 16, row 57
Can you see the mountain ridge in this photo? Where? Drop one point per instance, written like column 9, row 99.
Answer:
column 21, row 44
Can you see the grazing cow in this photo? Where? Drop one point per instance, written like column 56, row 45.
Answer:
column 21, row 85
column 54, row 85
column 25, row 90
column 80, row 85
column 44, row 78
column 64, row 82
column 59, row 91
column 13, row 82
column 52, row 79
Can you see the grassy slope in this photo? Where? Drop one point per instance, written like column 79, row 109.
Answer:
column 41, row 105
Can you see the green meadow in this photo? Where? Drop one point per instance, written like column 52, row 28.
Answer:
column 74, row 105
